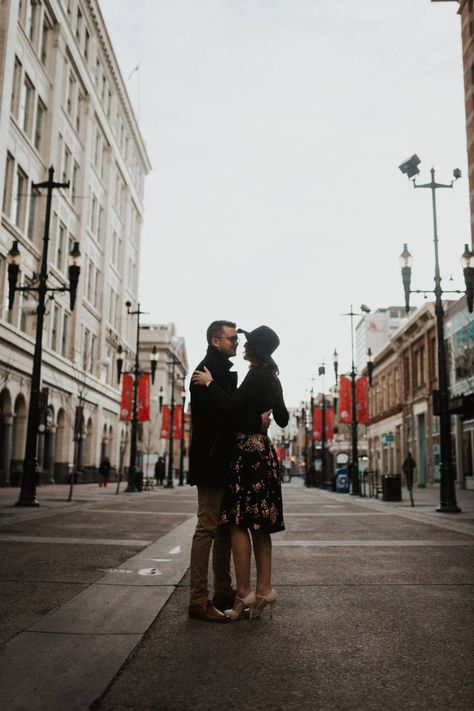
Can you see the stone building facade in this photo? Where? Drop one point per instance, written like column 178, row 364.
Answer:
column 64, row 104
column 401, row 400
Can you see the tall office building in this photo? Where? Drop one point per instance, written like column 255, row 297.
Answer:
column 63, row 103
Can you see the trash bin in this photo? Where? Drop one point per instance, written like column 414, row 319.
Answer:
column 391, row 487
column 342, row 481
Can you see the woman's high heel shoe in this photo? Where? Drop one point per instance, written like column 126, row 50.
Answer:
column 263, row 601
column 240, row 605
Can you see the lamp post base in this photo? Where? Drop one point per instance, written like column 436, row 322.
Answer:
column 448, row 508
column 27, row 501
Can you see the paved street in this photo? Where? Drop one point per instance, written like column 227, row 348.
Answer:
column 375, row 607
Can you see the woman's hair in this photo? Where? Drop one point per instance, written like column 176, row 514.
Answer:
column 259, row 362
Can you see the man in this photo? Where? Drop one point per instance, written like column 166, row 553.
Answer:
column 408, row 468
column 160, row 470
column 209, row 456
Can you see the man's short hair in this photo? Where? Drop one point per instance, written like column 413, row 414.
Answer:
column 216, row 328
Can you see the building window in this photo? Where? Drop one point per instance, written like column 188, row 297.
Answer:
column 16, row 88
column 70, row 94
column 75, row 175
column 26, row 105
column 100, row 223
column 45, row 41
column 35, row 193
column 66, row 164
column 55, row 328
column 19, row 198
column 96, row 288
column 60, row 247
column 89, row 277
column 93, row 215
column 40, row 112
column 64, row 335
column 86, row 44
column 419, row 367
column 8, row 185
column 78, row 26
column 31, row 19
column 78, row 112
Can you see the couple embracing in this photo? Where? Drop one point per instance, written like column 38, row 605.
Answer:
column 235, row 469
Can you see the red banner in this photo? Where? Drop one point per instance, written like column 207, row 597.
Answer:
column 362, row 399
column 126, row 400
column 318, row 423
column 143, row 398
column 165, row 422
column 178, row 422
column 345, row 399
column 329, row 423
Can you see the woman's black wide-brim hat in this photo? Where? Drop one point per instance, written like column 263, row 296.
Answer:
column 263, row 341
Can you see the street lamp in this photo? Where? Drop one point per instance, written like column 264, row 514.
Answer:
column 322, row 372
column 30, row 462
column 335, row 363
column 448, row 502
column 135, row 372
column 354, row 465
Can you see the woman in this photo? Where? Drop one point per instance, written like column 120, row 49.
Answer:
column 252, row 504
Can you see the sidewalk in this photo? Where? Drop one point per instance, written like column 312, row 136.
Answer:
column 375, row 607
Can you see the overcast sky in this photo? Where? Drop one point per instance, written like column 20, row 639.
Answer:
column 275, row 129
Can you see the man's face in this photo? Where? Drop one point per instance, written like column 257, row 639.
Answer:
column 227, row 342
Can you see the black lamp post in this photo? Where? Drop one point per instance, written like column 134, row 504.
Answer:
column 370, row 365
column 354, row 465
column 335, row 363
column 169, row 479
column 448, row 502
column 30, row 462
column 313, row 443
column 322, row 372
column 135, row 372
column 467, row 261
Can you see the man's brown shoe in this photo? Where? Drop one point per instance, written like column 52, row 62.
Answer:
column 224, row 602
column 206, row 612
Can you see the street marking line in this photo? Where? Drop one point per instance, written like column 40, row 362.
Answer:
column 370, row 544
column 323, row 513
column 74, row 541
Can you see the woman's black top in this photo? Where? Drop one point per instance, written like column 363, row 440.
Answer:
column 260, row 391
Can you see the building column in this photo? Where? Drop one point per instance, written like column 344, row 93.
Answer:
column 6, row 449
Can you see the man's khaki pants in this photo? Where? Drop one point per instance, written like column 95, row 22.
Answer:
column 208, row 532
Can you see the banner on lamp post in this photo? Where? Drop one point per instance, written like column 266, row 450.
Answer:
column 362, row 399
column 345, row 399
column 318, row 423
column 177, row 422
column 126, row 400
column 165, row 422
column 143, row 398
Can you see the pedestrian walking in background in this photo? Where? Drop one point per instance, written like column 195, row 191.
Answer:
column 252, row 506
column 408, row 468
column 104, row 471
column 160, row 470
column 212, row 442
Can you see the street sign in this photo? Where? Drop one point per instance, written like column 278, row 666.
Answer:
column 387, row 438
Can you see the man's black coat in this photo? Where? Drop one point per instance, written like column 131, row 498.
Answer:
column 213, row 434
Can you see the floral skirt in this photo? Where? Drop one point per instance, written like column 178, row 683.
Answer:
column 253, row 495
